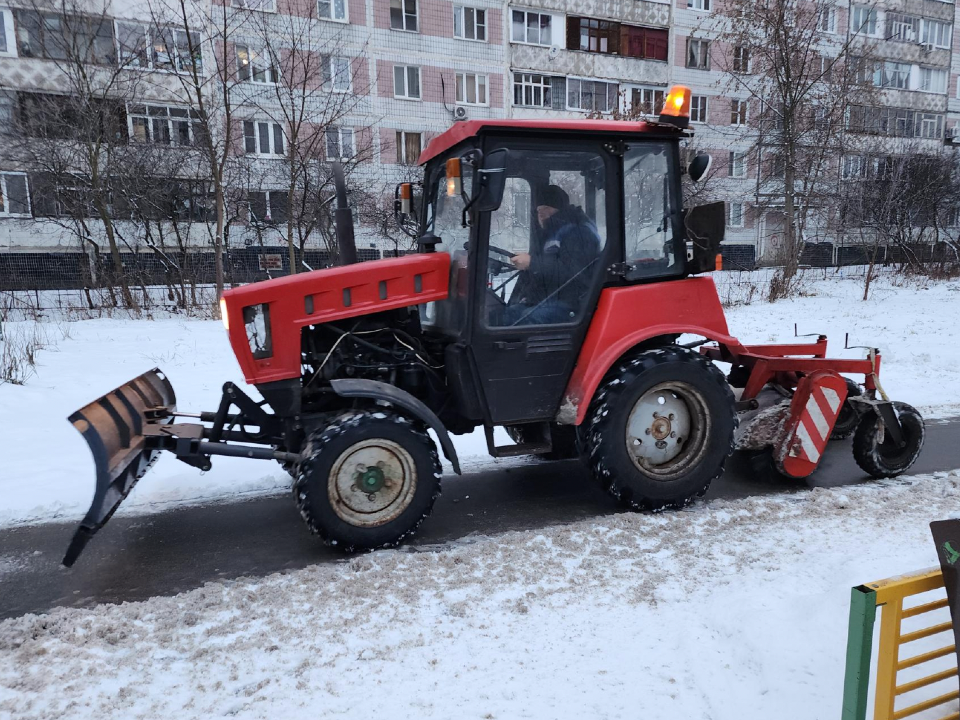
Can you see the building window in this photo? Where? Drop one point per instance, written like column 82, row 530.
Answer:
column 933, row 80
column 741, row 59
column 166, row 49
column 936, row 33
column 698, row 54
column 737, row 166
column 852, row 167
column 738, row 112
column 471, row 89
column 340, row 145
column 827, row 22
column 255, row 67
column 698, row 4
column 905, row 28
column 258, row 5
column 406, row 82
column 930, row 125
column 409, row 145
column 532, row 90
column 262, row 138
column 735, row 211
column 698, row 109
column 267, row 207
column 403, row 15
column 896, row 75
column 14, row 197
column 469, row 23
column 163, row 125
column 648, row 101
column 591, row 35
column 8, row 43
column 592, row 95
column 336, row 73
column 641, row 42
column 63, row 37
column 534, row 28
column 863, row 19
column 332, row 10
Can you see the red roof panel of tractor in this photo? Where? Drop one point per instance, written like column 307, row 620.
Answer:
column 470, row 128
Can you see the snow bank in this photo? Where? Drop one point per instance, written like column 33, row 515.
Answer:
column 48, row 472
column 728, row 610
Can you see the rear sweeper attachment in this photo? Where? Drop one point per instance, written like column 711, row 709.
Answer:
column 556, row 272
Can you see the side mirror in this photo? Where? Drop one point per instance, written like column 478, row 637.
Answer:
column 489, row 179
column 699, row 166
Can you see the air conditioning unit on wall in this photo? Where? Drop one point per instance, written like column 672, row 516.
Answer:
column 459, row 113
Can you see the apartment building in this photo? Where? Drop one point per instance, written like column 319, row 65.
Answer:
column 411, row 68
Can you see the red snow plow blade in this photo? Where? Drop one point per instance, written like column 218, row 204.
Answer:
column 113, row 427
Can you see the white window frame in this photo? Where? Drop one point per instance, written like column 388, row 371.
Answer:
column 943, row 28
column 8, row 34
column 341, row 134
column 150, row 48
column 526, row 81
column 924, row 119
column 895, row 70
column 911, row 23
column 743, row 52
column 742, row 109
column 272, row 128
column 653, row 102
column 268, row 216
column 267, row 6
column 737, row 164
column 556, row 29
column 332, row 6
column 132, row 113
column 402, row 147
column 699, row 5
column 5, row 195
column 404, row 17
column 871, row 13
column 611, row 106
column 924, row 83
column 404, row 92
column 851, row 167
column 700, row 110
column 334, row 75
column 828, row 20
column 702, row 54
column 736, row 220
column 460, row 23
column 253, row 56
column 480, row 81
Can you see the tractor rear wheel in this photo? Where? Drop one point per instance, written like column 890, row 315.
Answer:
column 367, row 480
column 875, row 451
column 660, row 428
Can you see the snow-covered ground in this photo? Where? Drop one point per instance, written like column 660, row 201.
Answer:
column 48, row 473
column 727, row 610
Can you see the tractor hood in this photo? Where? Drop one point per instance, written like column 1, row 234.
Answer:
column 264, row 320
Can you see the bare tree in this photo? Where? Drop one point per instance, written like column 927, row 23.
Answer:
column 800, row 83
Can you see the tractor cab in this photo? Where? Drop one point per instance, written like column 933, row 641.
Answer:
column 537, row 218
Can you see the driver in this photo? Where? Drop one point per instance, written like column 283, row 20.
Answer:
column 557, row 275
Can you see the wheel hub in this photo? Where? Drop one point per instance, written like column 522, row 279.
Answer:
column 372, row 482
column 660, row 427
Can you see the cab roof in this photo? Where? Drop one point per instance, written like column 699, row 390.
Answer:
column 471, row 128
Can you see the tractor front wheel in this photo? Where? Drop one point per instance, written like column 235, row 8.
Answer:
column 367, row 480
column 660, row 428
column 875, row 451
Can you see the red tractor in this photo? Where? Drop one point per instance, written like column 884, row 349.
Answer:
column 556, row 274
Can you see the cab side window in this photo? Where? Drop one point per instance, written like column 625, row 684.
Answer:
column 648, row 211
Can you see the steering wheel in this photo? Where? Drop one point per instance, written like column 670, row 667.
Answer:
column 497, row 266
column 501, row 251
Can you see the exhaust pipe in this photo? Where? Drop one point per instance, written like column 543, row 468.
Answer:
column 346, row 241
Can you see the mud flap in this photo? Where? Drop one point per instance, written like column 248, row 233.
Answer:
column 113, row 427
column 813, row 413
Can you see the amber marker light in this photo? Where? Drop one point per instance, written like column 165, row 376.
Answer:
column 676, row 108
column 406, row 198
column 223, row 315
column 453, row 177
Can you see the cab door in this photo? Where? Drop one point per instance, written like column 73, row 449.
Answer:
column 529, row 323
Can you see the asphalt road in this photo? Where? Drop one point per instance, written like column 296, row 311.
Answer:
column 137, row 557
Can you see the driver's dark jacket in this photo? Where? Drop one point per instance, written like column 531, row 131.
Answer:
column 569, row 245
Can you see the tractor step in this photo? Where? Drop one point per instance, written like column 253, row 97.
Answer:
column 541, row 445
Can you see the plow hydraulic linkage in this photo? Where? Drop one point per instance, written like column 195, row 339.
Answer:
column 129, row 427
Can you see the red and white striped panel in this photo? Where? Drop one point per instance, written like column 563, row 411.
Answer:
column 813, row 413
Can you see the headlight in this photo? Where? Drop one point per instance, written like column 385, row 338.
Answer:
column 256, row 319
